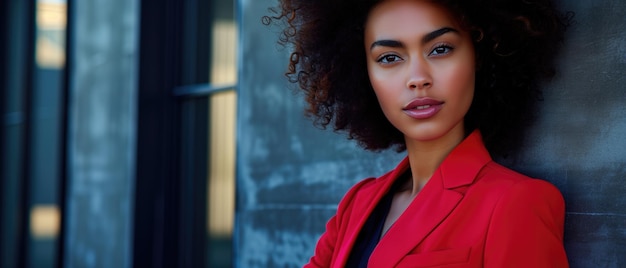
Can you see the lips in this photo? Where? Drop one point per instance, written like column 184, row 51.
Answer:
column 423, row 108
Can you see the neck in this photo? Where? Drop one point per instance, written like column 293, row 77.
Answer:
column 426, row 156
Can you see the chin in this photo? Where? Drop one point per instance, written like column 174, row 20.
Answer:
column 423, row 134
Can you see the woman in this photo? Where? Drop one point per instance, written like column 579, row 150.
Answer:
column 445, row 81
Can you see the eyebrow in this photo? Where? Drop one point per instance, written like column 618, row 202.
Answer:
column 427, row 38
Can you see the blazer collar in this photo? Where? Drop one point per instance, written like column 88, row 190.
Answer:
column 364, row 203
column 429, row 208
column 464, row 162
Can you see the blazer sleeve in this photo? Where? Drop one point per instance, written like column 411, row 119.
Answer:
column 526, row 228
column 325, row 248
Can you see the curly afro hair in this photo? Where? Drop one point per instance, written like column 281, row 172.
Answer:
column 516, row 42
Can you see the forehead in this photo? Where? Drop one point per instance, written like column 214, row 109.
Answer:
column 411, row 15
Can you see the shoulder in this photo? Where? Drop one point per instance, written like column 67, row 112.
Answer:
column 368, row 184
column 369, row 187
column 346, row 201
column 515, row 189
column 526, row 221
column 363, row 184
column 495, row 173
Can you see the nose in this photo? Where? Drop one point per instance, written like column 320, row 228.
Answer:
column 419, row 75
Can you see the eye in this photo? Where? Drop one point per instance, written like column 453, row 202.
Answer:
column 441, row 50
column 389, row 58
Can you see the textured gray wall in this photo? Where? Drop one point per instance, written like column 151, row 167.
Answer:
column 291, row 175
column 101, row 133
column 579, row 142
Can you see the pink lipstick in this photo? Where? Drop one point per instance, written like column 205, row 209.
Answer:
column 423, row 108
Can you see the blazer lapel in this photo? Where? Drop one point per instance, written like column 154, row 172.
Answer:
column 364, row 203
column 434, row 203
column 429, row 208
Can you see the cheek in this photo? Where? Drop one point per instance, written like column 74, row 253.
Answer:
column 385, row 79
column 382, row 94
column 463, row 83
column 387, row 99
column 386, row 91
column 382, row 86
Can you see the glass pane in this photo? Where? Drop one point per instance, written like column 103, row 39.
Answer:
column 222, row 111
column 221, row 184
column 45, row 139
column 224, row 48
column 13, row 92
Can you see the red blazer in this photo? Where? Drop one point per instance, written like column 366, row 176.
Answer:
column 472, row 213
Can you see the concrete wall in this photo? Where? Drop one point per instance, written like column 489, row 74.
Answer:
column 291, row 175
column 102, row 111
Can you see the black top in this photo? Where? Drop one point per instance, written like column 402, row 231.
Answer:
column 370, row 234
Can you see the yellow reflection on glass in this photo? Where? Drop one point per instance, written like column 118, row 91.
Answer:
column 221, row 184
column 221, row 187
column 224, row 63
column 45, row 221
column 51, row 23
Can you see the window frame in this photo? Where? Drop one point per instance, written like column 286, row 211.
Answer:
column 170, row 225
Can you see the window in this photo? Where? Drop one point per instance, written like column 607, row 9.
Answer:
column 220, row 98
column 32, row 133
column 199, row 205
column 178, row 179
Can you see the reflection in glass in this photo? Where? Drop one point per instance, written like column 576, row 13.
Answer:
column 221, row 181
column 46, row 127
column 222, row 167
column 51, row 24
column 45, row 221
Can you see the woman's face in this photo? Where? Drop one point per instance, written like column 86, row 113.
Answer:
column 421, row 65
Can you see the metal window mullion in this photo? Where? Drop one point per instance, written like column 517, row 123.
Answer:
column 199, row 90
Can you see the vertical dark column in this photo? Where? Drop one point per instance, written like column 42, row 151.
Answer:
column 64, row 134
column 156, row 226
column 4, row 29
column 196, row 22
column 192, row 236
column 170, row 201
column 16, row 77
